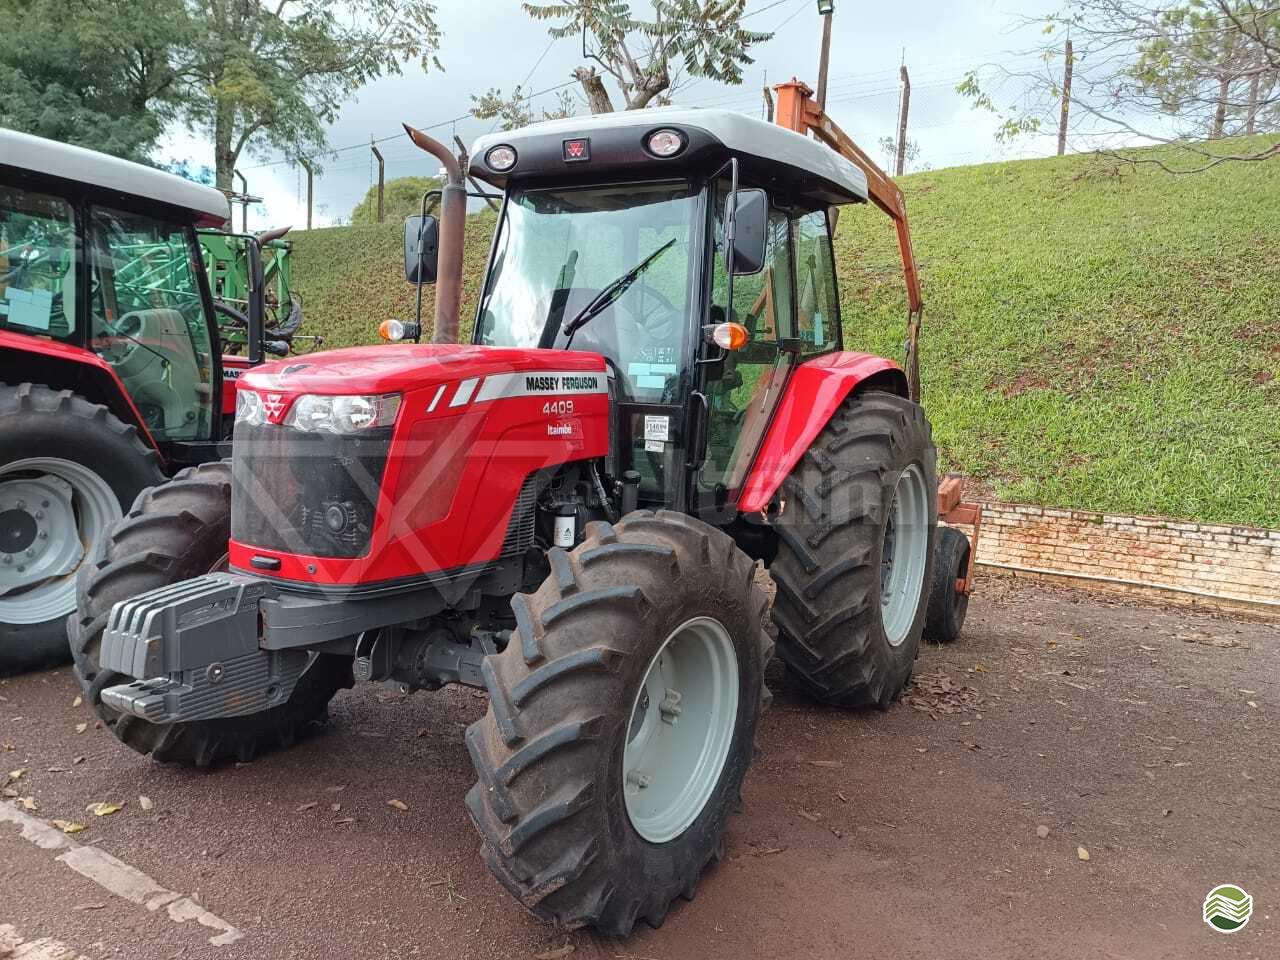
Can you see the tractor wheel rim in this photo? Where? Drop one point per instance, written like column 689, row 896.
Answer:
column 680, row 731
column 904, row 555
column 52, row 511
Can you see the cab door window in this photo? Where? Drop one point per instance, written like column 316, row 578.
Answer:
column 741, row 395
column 37, row 264
column 148, row 320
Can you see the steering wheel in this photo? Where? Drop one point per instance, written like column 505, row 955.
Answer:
column 652, row 312
column 128, row 330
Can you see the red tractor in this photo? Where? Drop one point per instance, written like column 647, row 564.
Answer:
column 568, row 511
column 110, row 374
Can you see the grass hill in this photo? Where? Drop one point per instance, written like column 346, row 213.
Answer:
column 1097, row 336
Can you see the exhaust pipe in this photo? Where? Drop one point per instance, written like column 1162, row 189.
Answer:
column 453, row 223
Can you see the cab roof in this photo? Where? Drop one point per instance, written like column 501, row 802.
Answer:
column 51, row 158
column 616, row 145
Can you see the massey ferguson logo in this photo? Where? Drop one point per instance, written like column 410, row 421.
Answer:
column 273, row 403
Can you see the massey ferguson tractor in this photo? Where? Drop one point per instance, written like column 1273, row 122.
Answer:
column 567, row 512
column 110, row 371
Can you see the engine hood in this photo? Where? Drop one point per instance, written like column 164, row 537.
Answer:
column 400, row 367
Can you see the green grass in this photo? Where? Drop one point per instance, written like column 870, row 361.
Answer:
column 1095, row 337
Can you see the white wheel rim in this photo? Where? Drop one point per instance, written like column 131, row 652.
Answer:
column 680, row 731
column 904, row 555
column 51, row 513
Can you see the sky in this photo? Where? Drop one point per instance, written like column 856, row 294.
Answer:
column 493, row 43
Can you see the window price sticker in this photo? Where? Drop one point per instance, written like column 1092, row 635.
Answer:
column 657, row 428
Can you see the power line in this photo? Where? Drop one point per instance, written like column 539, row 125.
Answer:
column 395, row 136
column 767, row 6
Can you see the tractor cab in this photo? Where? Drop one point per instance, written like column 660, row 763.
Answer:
column 111, row 377
column 103, row 290
column 692, row 250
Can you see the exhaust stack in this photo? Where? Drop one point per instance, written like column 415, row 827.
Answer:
column 453, row 222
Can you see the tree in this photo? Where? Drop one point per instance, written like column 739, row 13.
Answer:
column 1173, row 72
column 648, row 59
column 516, row 110
column 890, row 147
column 259, row 75
column 97, row 73
column 402, row 197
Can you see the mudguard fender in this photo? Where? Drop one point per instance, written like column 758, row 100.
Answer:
column 812, row 395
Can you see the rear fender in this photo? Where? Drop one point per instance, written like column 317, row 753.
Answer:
column 812, row 395
column 62, row 366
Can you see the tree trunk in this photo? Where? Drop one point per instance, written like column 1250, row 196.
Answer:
column 1068, row 64
column 593, row 86
column 224, row 157
column 1220, row 115
column 1251, row 119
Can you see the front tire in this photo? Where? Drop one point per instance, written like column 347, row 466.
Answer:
column 176, row 531
column 855, row 553
column 580, row 733
column 68, row 470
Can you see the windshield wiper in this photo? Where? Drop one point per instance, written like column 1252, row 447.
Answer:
column 610, row 294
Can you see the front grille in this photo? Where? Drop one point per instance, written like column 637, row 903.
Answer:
column 520, row 529
column 309, row 493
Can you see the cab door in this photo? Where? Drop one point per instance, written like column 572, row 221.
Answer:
column 743, row 388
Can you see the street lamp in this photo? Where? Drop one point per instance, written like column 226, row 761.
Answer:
column 825, row 9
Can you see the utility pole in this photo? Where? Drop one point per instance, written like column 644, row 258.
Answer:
column 1066, row 98
column 306, row 165
column 381, row 176
column 901, row 161
column 825, row 8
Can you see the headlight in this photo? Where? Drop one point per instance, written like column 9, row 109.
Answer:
column 249, row 408
column 313, row 413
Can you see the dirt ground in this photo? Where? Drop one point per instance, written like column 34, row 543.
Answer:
column 951, row 826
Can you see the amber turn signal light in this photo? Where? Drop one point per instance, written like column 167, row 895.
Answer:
column 395, row 330
column 730, row 336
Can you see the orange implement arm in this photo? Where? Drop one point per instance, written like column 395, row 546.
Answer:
column 798, row 111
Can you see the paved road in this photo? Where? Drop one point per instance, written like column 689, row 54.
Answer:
column 1129, row 731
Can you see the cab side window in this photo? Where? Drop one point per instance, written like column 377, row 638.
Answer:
column 817, row 303
column 37, row 264
column 148, row 320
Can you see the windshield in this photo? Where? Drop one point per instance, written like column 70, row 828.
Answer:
column 559, row 249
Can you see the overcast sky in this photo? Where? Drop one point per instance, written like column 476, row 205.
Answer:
column 490, row 43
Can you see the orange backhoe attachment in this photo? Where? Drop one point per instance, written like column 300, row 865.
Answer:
column 797, row 110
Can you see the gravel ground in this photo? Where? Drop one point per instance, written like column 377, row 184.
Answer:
column 951, row 826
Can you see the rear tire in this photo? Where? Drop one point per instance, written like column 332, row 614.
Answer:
column 176, row 531
column 54, row 436
column 558, row 803
column 849, row 626
column 947, row 605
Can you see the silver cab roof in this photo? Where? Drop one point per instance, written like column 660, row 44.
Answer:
column 50, row 158
column 741, row 135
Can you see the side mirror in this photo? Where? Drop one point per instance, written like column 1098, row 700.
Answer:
column 751, row 221
column 421, row 245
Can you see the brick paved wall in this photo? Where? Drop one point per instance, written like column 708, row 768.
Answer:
column 1185, row 561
